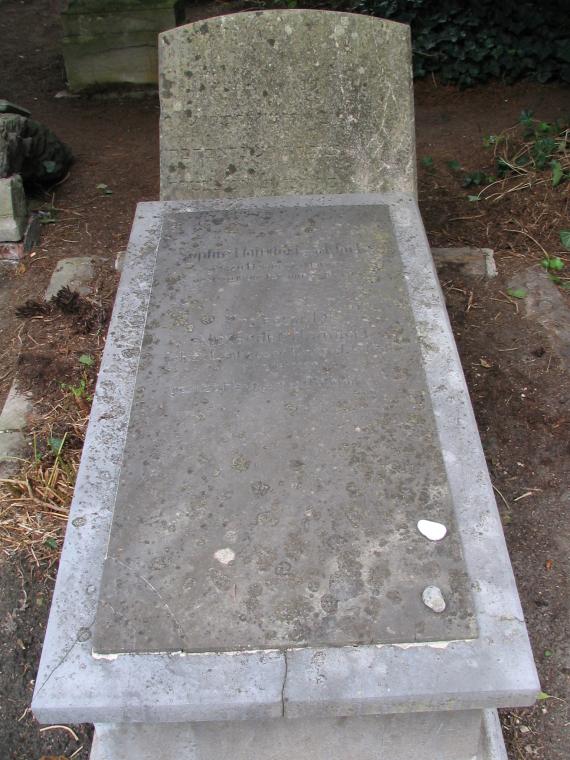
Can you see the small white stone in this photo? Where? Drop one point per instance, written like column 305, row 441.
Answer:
column 433, row 530
column 433, row 598
column 225, row 556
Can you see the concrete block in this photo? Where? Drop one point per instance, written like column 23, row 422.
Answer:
column 13, row 210
column 13, row 422
column 473, row 262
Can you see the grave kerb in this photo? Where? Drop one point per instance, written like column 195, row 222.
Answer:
column 496, row 669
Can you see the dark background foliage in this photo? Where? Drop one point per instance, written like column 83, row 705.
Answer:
column 470, row 41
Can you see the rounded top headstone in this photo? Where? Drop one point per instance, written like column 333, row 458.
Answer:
column 286, row 102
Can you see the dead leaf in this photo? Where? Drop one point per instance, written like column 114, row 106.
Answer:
column 485, row 363
column 548, row 564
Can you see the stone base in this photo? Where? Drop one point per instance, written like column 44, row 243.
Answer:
column 473, row 262
column 465, row 735
column 110, row 43
column 12, row 209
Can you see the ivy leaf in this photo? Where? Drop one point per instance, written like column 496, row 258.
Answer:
column 87, row 360
column 454, row 165
column 55, row 444
column 517, row 292
column 565, row 239
column 557, row 173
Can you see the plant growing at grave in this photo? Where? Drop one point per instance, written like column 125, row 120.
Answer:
column 533, row 152
column 78, row 391
column 471, row 42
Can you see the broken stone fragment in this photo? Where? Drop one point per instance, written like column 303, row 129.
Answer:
column 433, row 598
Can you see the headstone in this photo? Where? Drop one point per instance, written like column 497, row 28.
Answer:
column 280, row 102
column 110, row 42
column 13, row 211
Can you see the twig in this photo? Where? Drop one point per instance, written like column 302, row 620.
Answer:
column 63, row 728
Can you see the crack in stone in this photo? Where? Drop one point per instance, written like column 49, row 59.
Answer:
column 63, row 659
column 284, row 683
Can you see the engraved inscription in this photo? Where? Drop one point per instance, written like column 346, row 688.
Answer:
column 279, row 392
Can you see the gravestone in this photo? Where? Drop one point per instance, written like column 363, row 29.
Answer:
column 280, row 102
column 110, row 42
column 283, row 534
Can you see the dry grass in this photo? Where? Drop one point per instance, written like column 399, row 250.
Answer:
column 34, row 503
column 540, row 156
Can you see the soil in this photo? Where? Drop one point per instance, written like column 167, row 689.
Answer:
column 518, row 382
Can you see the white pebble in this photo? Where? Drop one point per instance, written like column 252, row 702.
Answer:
column 433, row 598
column 433, row 530
column 225, row 556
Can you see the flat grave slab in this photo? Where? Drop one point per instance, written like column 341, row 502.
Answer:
column 479, row 661
column 282, row 446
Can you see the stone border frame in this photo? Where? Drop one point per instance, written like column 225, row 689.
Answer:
column 496, row 669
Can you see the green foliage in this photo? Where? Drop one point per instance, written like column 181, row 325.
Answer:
column 532, row 150
column 476, row 179
column 553, row 263
column 474, row 41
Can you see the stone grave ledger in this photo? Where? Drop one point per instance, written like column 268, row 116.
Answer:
column 283, row 508
column 286, row 102
column 273, row 500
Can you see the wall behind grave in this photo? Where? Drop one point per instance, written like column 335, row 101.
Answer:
column 281, row 102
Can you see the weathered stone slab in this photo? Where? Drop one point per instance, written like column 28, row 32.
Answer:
column 471, row 262
column 282, row 446
column 280, row 102
column 493, row 669
column 108, row 42
column 75, row 273
column 13, row 210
